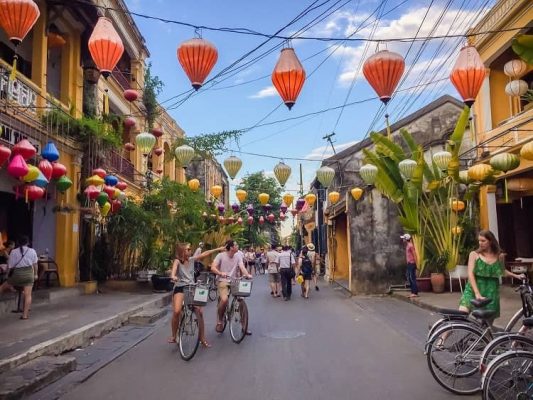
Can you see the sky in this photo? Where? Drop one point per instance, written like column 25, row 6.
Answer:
column 246, row 97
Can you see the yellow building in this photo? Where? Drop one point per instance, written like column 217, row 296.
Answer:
column 55, row 72
column 505, row 124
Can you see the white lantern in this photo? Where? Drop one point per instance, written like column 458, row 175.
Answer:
column 515, row 68
column 442, row 159
column 516, row 88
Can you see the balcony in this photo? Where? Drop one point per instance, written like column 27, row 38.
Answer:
column 114, row 161
column 122, row 78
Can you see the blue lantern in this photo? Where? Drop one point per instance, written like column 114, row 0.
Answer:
column 41, row 181
column 111, row 180
column 50, row 152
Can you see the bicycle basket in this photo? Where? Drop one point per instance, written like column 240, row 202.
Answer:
column 195, row 295
column 241, row 288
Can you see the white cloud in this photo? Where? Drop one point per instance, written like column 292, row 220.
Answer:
column 322, row 152
column 269, row 91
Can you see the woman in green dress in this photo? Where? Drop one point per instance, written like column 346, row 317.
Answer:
column 485, row 268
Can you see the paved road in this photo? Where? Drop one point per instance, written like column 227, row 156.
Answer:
column 327, row 347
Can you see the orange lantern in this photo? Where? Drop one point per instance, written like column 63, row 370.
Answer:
column 17, row 17
column 288, row 76
column 197, row 57
column 55, row 40
column 468, row 74
column 334, row 197
column 457, row 205
column 105, row 46
column 383, row 71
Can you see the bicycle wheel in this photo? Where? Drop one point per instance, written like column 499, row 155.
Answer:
column 514, row 323
column 238, row 324
column 442, row 322
column 189, row 334
column 509, row 376
column 503, row 344
column 453, row 357
column 212, row 292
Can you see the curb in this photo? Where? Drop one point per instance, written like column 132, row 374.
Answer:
column 80, row 337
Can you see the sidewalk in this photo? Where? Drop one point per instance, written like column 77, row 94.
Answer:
column 68, row 323
column 510, row 302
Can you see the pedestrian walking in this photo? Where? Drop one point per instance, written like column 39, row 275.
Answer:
column 274, row 278
column 306, row 270
column 287, row 263
column 263, row 258
column 315, row 259
column 410, row 257
column 250, row 260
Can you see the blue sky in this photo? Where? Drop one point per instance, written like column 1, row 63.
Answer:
column 336, row 81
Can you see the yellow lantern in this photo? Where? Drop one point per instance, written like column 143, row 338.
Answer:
column 216, row 191
column 94, row 180
column 288, row 199
column 105, row 209
column 233, row 165
column 457, row 205
column 310, row 199
column 33, row 173
column 263, row 198
column 456, row 230
column 334, row 197
column 479, row 172
column 356, row 193
column 282, row 172
column 526, row 152
column 194, row 184
column 241, row 195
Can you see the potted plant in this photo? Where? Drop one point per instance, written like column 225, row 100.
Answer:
column 162, row 262
column 437, row 266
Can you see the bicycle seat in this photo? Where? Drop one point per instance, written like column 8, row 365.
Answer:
column 451, row 312
column 479, row 303
column 528, row 322
column 483, row 314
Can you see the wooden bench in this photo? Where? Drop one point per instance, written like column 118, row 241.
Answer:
column 46, row 266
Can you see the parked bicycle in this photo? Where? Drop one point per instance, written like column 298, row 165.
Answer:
column 209, row 280
column 189, row 330
column 237, row 311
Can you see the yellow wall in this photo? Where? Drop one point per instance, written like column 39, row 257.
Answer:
column 499, row 100
column 342, row 266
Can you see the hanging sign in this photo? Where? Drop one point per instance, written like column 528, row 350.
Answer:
column 17, row 91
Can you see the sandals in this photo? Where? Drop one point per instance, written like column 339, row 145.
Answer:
column 205, row 344
column 171, row 340
column 220, row 327
column 21, row 317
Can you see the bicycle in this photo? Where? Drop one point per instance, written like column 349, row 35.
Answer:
column 189, row 330
column 209, row 280
column 237, row 312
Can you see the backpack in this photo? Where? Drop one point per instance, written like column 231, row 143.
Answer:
column 307, row 266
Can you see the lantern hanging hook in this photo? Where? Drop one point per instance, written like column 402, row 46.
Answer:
column 198, row 32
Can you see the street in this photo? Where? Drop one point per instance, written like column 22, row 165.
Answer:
column 327, row 347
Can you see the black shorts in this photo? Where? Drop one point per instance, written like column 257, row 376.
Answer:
column 178, row 289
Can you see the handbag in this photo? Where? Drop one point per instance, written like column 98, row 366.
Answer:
column 12, row 269
column 292, row 273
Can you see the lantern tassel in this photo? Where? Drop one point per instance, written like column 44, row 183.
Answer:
column 106, row 103
column 13, row 74
column 389, row 134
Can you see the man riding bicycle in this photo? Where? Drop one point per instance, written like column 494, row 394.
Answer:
column 225, row 265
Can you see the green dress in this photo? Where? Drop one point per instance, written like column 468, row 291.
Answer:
column 488, row 282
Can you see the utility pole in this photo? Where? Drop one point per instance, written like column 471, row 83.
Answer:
column 328, row 138
column 301, row 181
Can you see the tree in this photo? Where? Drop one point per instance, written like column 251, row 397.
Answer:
column 254, row 184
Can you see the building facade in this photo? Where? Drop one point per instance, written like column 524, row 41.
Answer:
column 209, row 172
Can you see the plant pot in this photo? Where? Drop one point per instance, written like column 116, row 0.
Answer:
column 162, row 283
column 89, row 287
column 437, row 282
column 424, row 284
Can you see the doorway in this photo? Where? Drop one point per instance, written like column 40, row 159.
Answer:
column 15, row 217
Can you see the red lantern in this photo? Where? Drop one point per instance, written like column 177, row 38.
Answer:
column 5, row 153
column 159, row 171
column 100, row 172
column 46, row 168
column 288, row 76
column 383, row 71
column 17, row 17
column 197, row 57
column 468, row 74
column 261, row 220
column 110, row 190
column 129, row 122
column 239, row 220
column 250, row 220
column 91, row 192
column 221, row 219
column 17, row 167
column 58, row 170
column 158, row 151
column 294, row 212
column 271, row 217
column 129, row 147
column 130, row 95
column 33, row 192
column 121, row 186
column 105, row 46
column 157, row 132
column 25, row 149
column 116, row 205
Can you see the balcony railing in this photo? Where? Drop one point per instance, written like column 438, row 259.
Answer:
column 120, row 165
column 122, row 78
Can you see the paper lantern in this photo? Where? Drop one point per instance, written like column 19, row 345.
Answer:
column 520, row 184
column 267, row 207
column 197, row 58
column 261, row 220
column 504, row 162
column 102, row 198
column 457, row 230
column 184, row 154
column 479, row 172
column 63, row 184
column 159, row 170
column 239, row 220
column 32, row 174
column 121, row 186
column 325, row 175
column 383, row 71
column 516, row 88
column 407, row 168
column 250, row 220
column 158, row 151
column 356, row 193
column 263, row 198
column 235, row 207
column 94, row 180
column 310, row 199
column 283, row 208
column 271, row 217
column 33, row 192
column 288, row 199
column 99, row 172
column 288, row 76
column 105, row 46
column 282, row 172
column 457, row 205
column 129, row 147
column 300, row 204
column 526, row 152
column 55, row 40
column 145, row 142
column 282, row 216
column 91, row 192
column 515, row 68
column 157, row 132
column 5, row 153
column 129, row 122
column 334, row 197
column 194, row 184
column 50, row 152
column 131, row 95
column 463, row 177
column 442, row 159
column 58, row 170
column 468, row 74
column 216, row 191
column 294, row 212
column 25, row 149
column 368, row 173
column 105, row 208
column 241, row 195
column 41, row 180
column 233, row 165
column 17, row 17
column 116, row 205
column 17, row 167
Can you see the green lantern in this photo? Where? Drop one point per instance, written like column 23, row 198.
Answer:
column 407, row 168
column 145, row 142
column 368, row 173
column 504, row 162
column 463, row 177
column 233, row 165
column 63, row 184
column 102, row 198
column 184, row 154
column 442, row 159
column 282, row 172
column 325, row 175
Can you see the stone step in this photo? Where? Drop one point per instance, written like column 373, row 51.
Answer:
column 9, row 302
column 147, row 316
column 34, row 375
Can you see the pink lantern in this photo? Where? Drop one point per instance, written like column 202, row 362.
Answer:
column 100, row 172
column 129, row 147
column 17, row 166
column 282, row 216
column 121, row 186
column 239, row 220
column 250, row 220
column 110, row 190
column 261, row 220
column 91, row 192
column 5, row 153
column 25, row 149
column 131, row 95
column 157, row 132
column 58, row 170
column 46, row 168
column 129, row 122
column 158, row 151
column 271, row 217
column 33, row 192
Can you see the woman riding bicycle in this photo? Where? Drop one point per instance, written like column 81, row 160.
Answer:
column 183, row 274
